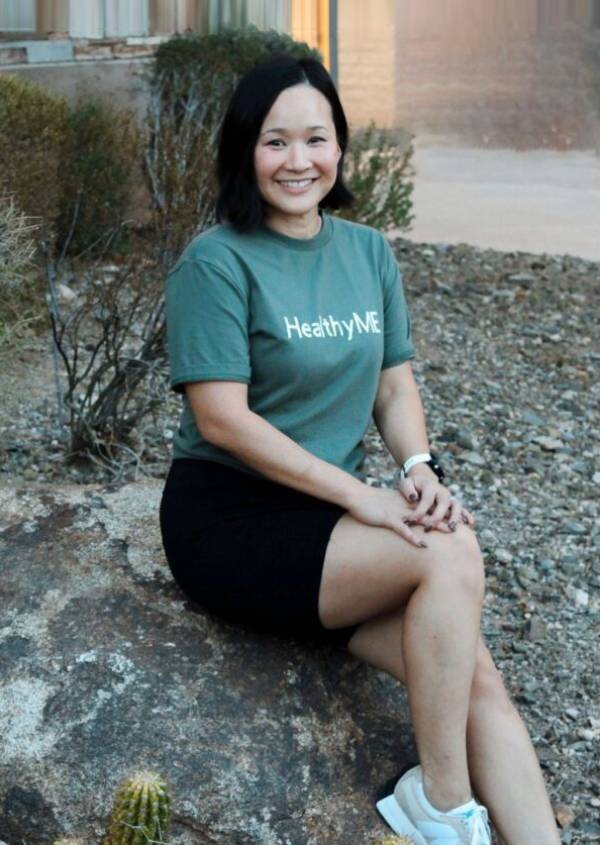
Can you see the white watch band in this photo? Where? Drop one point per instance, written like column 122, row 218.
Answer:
column 422, row 458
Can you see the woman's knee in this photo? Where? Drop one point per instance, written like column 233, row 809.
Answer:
column 456, row 562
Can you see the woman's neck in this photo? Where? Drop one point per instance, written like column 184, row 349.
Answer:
column 295, row 226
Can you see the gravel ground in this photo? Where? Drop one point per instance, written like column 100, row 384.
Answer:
column 508, row 353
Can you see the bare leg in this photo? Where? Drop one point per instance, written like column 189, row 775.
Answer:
column 502, row 762
column 367, row 568
column 441, row 630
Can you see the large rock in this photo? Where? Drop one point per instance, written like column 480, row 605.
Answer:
column 106, row 667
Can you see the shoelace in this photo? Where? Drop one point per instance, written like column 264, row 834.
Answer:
column 477, row 826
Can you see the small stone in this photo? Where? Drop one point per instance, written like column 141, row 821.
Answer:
column 522, row 278
column 473, row 458
column 548, row 444
column 535, row 629
column 587, row 734
column 65, row 293
column 572, row 713
column 503, row 556
column 532, row 419
column 579, row 597
column 545, row 564
column 575, row 528
column 564, row 815
column 466, row 440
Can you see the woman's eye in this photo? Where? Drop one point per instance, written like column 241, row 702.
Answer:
column 317, row 139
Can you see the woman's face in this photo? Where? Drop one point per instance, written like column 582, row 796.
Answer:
column 297, row 153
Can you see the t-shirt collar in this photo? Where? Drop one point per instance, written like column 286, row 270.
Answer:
column 316, row 242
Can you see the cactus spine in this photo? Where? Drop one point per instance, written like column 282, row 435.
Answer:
column 395, row 840
column 68, row 840
column 141, row 811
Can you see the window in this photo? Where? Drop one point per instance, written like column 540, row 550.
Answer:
column 17, row 16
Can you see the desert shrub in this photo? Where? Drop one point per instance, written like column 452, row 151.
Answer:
column 32, row 132
column 17, row 247
column 22, row 308
column 110, row 338
column 378, row 170
column 190, row 83
column 100, row 159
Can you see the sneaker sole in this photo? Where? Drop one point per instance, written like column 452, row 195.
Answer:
column 391, row 813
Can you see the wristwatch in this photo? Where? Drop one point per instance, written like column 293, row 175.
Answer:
column 424, row 458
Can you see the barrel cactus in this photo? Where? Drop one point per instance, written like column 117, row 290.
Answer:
column 141, row 811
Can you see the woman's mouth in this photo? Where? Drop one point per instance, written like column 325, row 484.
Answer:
column 296, row 186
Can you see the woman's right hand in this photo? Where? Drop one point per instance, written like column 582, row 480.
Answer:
column 386, row 508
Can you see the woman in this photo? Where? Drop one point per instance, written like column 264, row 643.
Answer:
column 288, row 329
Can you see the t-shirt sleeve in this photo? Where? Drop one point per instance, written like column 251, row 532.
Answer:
column 207, row 325
column 398, row 346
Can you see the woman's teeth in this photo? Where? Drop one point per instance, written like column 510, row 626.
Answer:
column 302, row 183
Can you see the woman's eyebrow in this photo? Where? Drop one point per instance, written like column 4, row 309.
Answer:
column 284, row 131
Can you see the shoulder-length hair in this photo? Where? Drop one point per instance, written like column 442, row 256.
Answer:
column 239, row 201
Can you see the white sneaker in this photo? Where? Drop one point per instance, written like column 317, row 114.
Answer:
column 408, row 812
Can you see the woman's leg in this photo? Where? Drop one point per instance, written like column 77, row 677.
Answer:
column 502, row 762
column 369, row 571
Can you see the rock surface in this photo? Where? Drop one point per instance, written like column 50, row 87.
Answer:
column 508, row 351
column 106, row 668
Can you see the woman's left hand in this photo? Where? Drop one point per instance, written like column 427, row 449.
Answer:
column 435, row 506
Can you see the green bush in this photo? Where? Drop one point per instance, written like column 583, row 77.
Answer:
column 72, row 167
column 378, row 170
column 101, row 155
column 32, row 133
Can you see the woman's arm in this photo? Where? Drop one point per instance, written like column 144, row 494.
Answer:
column 223, row 418
column 399, row 416
column 400, row 419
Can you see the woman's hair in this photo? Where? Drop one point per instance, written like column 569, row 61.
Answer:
column 239, row 200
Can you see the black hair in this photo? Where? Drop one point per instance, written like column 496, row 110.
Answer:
column 239, row 200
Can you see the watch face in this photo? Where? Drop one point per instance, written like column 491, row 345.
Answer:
column 436, row 466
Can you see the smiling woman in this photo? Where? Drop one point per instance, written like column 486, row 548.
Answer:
column 296, row 160
column 284, row 126
column 288, row 332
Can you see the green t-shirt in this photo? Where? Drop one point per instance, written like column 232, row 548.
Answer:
column 308, row 324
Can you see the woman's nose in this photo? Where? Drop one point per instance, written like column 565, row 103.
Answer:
column 298, row 157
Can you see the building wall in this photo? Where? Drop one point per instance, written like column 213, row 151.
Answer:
column 366, row 46
column 116, row 18
column 496, row 72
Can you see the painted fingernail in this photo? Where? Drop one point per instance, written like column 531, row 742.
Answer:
column 413, row 497
column 465, row 520
column 452, row 526
column 428, row 528
column 422, row 544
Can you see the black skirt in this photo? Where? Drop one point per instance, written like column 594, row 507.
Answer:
column 248, row 549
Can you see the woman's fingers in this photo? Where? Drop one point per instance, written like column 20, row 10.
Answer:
column 454, row 513
column 428, row 497
column 401, row 527
column 467, row 517
column 440, row 510
column 408, row 490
